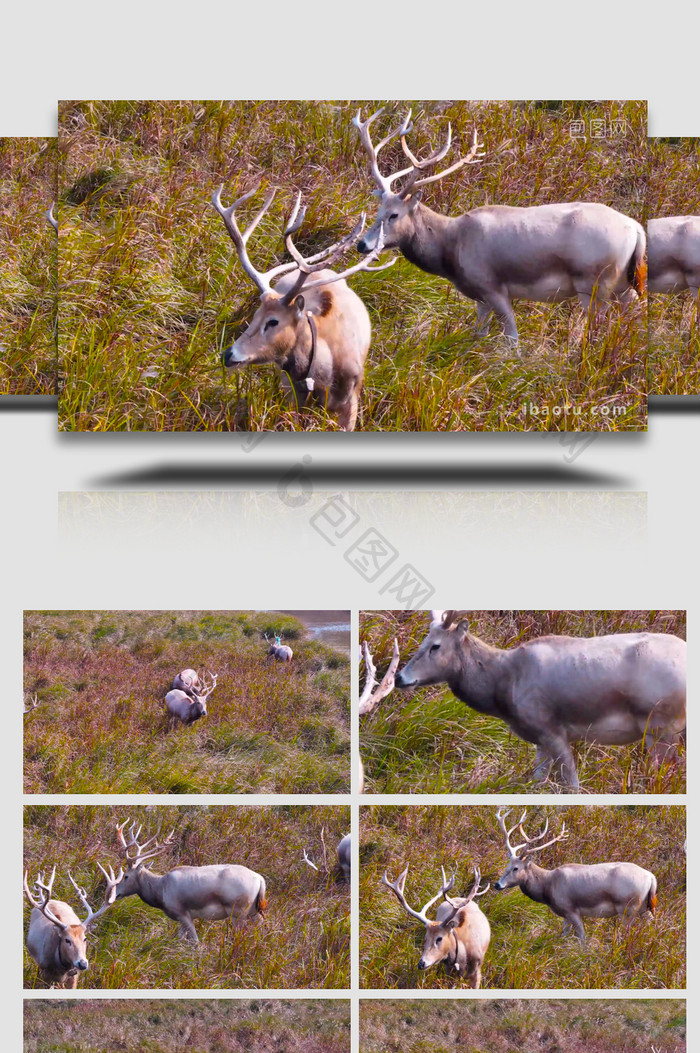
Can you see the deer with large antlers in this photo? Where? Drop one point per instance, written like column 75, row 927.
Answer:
column 460, row 934
column 56, row 939
column 496, row 254
column 311, row 324
column 187, row 701
column 276, row 649
column 574, row 891
column 555, row 690
column 213, row 892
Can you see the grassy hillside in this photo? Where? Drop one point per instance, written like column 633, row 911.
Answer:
column 304, row 940
column 427, row 741
column 674, row 326
column 587, row 1026
column 187, row 1026
column 101, row 725
column 527, row 948
column 152, row 291
column 28, row 270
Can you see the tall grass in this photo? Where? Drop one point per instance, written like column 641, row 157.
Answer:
column 28, row 267
column 527, row 948
column 187, row 1026
column 101, row 725
column 674, row 325
column 304, row 940
column 151, row 291
column 582, row 1026
column 427, row 741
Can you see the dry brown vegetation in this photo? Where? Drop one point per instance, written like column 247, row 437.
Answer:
column 191, row 1026
column 28, row 267
column 523, row 1026
column 427, row 741
column 100, row 678
column 674, row 326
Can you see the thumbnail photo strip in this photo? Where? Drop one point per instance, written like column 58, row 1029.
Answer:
column 252, row 924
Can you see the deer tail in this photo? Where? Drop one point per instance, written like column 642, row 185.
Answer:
column 652, row 898
column 260, row 901
column 637, row 267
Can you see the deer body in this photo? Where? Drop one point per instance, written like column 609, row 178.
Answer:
column 674, row 254
column 279, row 651
column 213, row 892
column 496, row 254
column 345, row 858
column 577, row 890
column 556, row 690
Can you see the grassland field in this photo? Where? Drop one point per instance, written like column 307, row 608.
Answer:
column 523, row 1026
column 427, row 741
column 674, row 325
column 27, row 267
column 187, row 1026
column 527, row 949
column 101, row 726
column 151, row 291
column 303, row 941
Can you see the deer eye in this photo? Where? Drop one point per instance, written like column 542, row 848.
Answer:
column 434, row 647
column 271, row 323
column 394, row 215
column 439, row 940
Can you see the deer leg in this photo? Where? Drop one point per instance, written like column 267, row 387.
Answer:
column 500, row 305
column 347, row 414
column 187, row 930
column 543, row 765
column 483, row 318
column 71, row 982
column 573, row 921
column 558, row 749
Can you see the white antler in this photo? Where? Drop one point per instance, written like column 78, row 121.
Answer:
column 372, row 693
column 397, row 888
column 502, row 816
column 51, row 218
column 109, row 897
column 240, row 239
column 529, row 841
column 43, row 892
column 32, row 704
column 135, row 859
column 384, row 183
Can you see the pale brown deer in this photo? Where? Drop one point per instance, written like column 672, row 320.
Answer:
column 311, row 324
column 189, row 703
column 56, row 939
column 495, row 254
column 460, row 935
column 674, row 254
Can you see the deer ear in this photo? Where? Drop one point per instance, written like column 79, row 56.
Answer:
column 298, row 304
column 414, row 199
column 457, row 919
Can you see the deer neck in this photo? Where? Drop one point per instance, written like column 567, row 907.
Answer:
column 429, row 245
column 481, row 679
column 150, row 888
column 536, row 884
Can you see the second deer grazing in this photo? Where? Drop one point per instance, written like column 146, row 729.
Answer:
column 316, row 331
column 57, row 938
column 186, row 893
column 674, row 254
column 460, row 934
column 575, row 891
column 187, row 701
column 277, row 650
column 496, row 254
